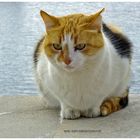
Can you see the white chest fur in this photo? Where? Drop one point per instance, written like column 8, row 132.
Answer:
column 104, row 76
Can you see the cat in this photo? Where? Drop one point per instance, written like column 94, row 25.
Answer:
column 82, row 65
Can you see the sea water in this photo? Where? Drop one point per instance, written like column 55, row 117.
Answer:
column 21, row 27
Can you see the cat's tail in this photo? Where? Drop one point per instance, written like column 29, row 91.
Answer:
column 114, row 104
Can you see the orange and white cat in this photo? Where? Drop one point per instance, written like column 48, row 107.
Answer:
column 83, row 65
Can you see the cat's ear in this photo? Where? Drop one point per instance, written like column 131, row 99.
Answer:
column 95, row 21
column 50, row 21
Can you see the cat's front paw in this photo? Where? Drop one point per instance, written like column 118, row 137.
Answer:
column 69, row 113
column 91, row 113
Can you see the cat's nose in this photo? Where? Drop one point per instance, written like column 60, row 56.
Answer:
column 67, row 61
column 66, row 57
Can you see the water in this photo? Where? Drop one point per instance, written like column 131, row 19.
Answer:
column 21, row 27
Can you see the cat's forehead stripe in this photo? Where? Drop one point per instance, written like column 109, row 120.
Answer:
column 68, row 39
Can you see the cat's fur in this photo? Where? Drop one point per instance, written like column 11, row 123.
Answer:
column 89, row 82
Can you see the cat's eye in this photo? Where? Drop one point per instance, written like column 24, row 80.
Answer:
column 57, row 46
column 80, row 46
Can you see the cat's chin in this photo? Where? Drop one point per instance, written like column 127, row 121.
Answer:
column 69, row 68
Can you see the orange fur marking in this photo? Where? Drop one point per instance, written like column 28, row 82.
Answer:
column 112, row 104
column 115, row 29
column 83, row 29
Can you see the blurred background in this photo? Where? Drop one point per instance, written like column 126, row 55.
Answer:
column 21, row 27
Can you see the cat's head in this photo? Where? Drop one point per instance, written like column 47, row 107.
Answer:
column 72, row 40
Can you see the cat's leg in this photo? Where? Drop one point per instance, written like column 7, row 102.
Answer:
column 92, row 112
column 114, row 104
column 68, row 112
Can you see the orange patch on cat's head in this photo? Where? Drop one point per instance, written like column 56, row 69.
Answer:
column 82, row 29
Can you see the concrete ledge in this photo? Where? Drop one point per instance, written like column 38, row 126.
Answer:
column 25, row 116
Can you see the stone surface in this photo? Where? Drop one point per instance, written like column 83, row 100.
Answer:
column 25, row 116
